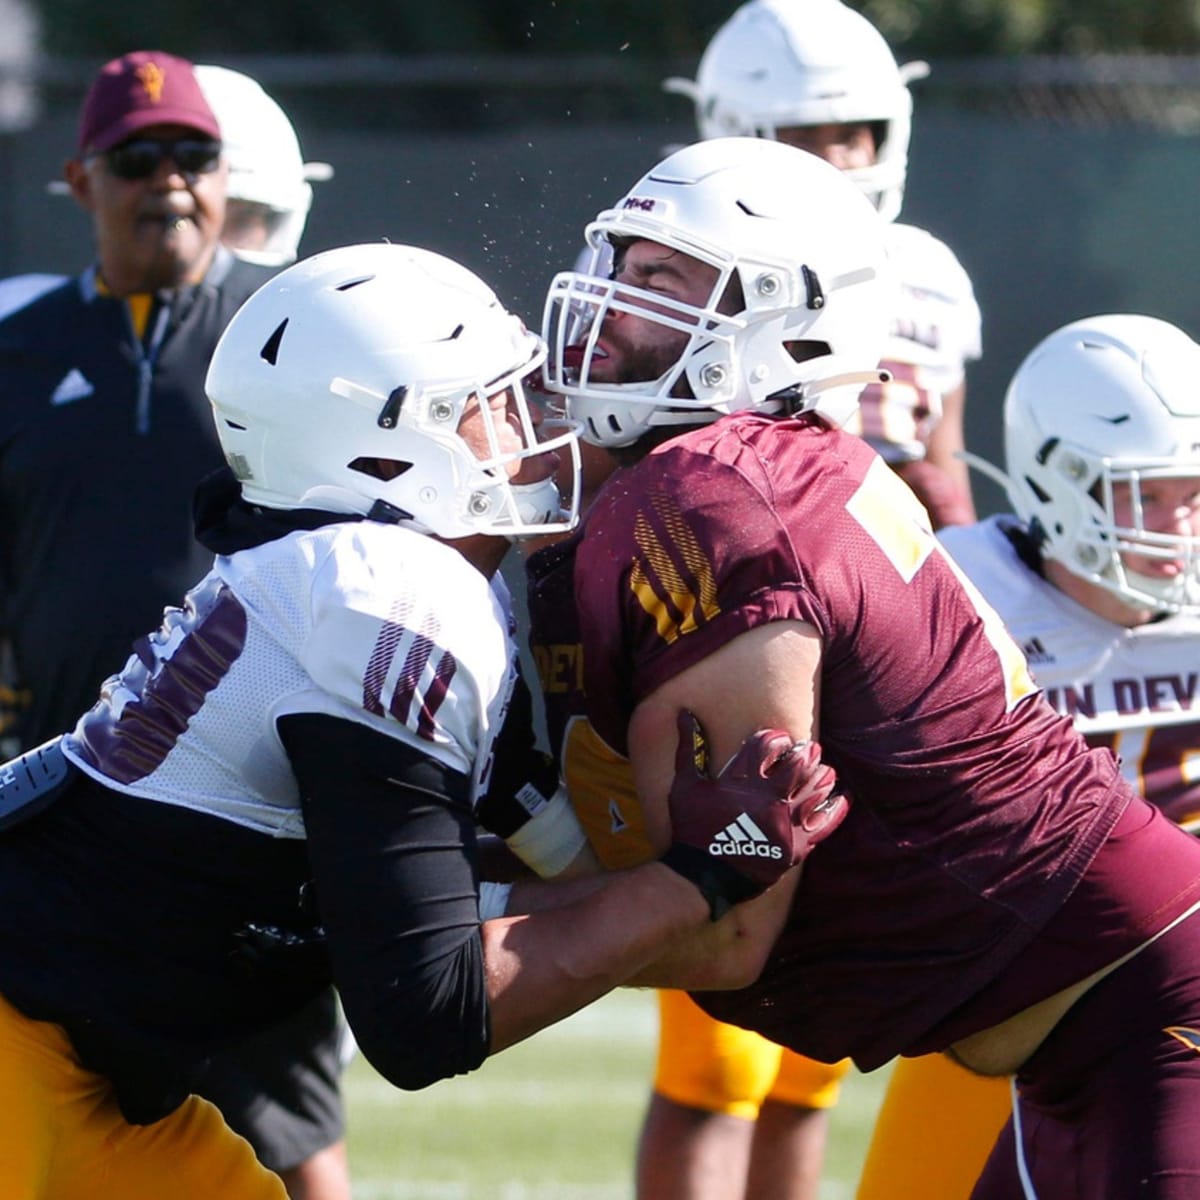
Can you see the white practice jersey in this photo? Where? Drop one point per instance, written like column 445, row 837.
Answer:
column 936, row 332
column 1134, row 689
column 361, row 620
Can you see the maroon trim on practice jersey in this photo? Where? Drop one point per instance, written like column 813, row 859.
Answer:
column 146, row 709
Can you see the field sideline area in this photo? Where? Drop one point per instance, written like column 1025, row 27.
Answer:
column 555, row 1118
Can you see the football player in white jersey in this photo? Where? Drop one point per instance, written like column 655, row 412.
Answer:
column 280, row 788
column 728, row 1115
column 1097, row 576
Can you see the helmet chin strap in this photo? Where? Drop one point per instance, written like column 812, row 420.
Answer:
column 537, row 502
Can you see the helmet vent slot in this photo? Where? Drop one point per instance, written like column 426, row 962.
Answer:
column 353, row 283
column 1040, row 493
column 801, row 350
column 270, row 351
column 1045, row 450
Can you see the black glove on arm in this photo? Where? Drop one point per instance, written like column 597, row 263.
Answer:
column 737, row 833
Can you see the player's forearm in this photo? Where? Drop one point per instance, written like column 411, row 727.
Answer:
column 538, row 895
column 543, row 967
column 725, row 955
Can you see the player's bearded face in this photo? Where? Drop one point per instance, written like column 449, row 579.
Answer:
column 632, row 348
column 631, row 362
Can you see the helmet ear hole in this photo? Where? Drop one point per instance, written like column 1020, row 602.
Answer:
column 380, row 468
column 802, row 351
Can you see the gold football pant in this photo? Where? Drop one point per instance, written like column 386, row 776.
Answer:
column 934, row 1132
column 65, row 1139
column 705, row 1064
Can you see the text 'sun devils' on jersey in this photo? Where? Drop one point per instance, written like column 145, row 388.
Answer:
column 1136, row 690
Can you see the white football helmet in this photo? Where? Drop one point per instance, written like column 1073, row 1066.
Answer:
column 1103, row 401
column 341, row 383
column 265, row 166
column 781, row 63
column 805, row 248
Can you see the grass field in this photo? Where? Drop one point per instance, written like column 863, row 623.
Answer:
column 555, row 1118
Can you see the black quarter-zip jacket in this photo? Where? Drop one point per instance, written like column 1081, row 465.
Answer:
column 103, row 438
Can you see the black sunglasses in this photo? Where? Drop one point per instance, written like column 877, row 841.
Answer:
column 139, row 159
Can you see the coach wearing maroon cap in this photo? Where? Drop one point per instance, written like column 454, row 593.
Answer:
column 105, row 431
column 149, row 170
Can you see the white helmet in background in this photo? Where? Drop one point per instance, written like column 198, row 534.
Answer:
column 791, row 232
column 776, row 64
column 266, row 171
column 341, row 383
column 1103, row 401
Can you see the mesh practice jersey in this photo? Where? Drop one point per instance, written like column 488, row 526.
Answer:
column 977, row 808
column 1136, row 690
column 370, row 622
column 936, row 331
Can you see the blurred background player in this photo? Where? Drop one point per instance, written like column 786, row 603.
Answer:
column 818, row 75
column 269, row 192
column 105, row 372
column 728, row 1116
column 1097, row 576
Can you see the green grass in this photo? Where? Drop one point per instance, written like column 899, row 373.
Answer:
column 555, row 1118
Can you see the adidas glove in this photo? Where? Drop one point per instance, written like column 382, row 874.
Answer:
column 738, row 833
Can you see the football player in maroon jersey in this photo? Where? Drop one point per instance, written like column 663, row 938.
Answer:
column 998, row 891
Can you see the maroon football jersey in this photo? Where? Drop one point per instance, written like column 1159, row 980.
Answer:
column 977, row 809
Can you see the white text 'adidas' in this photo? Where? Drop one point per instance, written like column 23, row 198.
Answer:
column 743, row 837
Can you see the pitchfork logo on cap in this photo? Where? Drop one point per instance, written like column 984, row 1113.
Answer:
column 152, row 78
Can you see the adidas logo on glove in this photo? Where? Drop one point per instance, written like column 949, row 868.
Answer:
column 743, row 838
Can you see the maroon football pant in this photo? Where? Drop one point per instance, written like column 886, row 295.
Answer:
column 1109, row 1106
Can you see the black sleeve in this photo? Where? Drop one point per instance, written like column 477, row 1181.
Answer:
column 392, row 845
column 522, row 778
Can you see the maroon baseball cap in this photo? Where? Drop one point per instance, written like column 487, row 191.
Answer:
column 145, row 87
